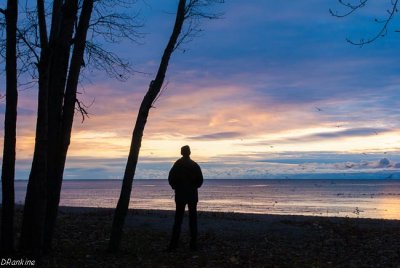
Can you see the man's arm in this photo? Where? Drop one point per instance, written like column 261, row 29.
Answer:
column 172, row 177
column 199, row 176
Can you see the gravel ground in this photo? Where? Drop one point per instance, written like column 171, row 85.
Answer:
column 225, row 240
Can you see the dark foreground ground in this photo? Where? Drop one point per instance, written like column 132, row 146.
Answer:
column 225, row 240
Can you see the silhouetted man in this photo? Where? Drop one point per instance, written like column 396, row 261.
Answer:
column 185, row 177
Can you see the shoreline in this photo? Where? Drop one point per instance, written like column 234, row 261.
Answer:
column 221, row 214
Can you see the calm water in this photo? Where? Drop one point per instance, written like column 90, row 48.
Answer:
column 352, row 198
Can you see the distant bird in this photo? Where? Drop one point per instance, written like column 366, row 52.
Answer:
column 384, row 152
column 338, row 126
column 318, row 109
column 364, row 153
column 376, row 133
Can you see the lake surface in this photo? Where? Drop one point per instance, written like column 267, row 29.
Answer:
column 345, row 198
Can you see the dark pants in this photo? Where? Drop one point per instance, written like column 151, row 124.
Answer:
column 180, row 210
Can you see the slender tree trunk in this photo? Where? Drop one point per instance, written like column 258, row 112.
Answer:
column 153, row 91
column 35, row 200
column 63, row 139
column 57, row 80
column 10, row 123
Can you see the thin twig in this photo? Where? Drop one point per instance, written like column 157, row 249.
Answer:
column 383, row 30
column 82, row 109
column 20, row 35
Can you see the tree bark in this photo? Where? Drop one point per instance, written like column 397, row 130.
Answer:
column 10, row 122
column 62, row 141
column 35, row 201
column 149, row 98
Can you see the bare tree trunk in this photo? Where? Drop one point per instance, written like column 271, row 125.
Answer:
column 149, row 98
column 57, row 81
column 35, row 200
column 63, row 138
column 10, row 123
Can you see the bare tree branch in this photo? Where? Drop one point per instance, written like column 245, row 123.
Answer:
column 83, row 109
column 195, row 11
column 352, row 8
column 385, row 22
column 113, row 27
column 28, row 44
column 107, row 24
column 100, row 59
column 200, row 9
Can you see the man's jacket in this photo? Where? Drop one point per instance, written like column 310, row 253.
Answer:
column 185, row 177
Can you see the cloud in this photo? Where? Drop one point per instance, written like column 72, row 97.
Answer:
column 354, row 132
column 324, row 136
column 216, row 136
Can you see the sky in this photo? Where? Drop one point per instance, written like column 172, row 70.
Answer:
column 269, row 90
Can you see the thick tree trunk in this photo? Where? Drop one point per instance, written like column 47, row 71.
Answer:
column 63, row 138
column 35, row 200
column 153, row 91
column 58, row 77
column 10, row 122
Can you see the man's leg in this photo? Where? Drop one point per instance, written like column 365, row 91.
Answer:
column 176, row 230
column 193, row 225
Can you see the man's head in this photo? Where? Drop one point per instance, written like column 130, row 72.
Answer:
column 185, row 151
